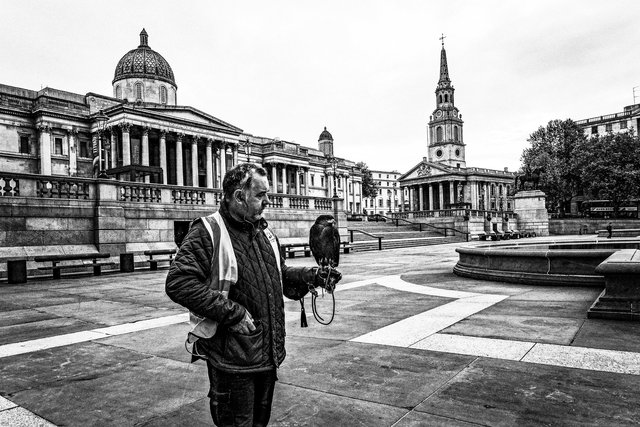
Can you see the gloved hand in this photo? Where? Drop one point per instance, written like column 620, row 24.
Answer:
column 326, row 277
column 245, row 326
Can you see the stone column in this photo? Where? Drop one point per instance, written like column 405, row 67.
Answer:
column 274, row 177
column 306, row 181
column 223, row 161
column 411, row 199
column 474, row 195
column 194, row 161
column 401, row 199
column 328, row 182
column 114, row 147
column 215, row 154
column 440, row 196
column 163, row 156
column 45, row 149
column 298, row 181
column 209, row 161
column 284, row 179
column 430, row 196
column 353, row 196
column 73, row 151
column 421, row 197
column 452, row 192
column 485, row 202
column 360, row 188
column 145, row 150
column 234, row 150
column 179, row 168
column 126, row 144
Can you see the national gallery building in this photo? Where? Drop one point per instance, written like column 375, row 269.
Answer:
column 141, row 134
column 129, row 171
column 442, row 180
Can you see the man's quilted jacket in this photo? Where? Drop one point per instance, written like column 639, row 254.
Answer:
column 257, row 290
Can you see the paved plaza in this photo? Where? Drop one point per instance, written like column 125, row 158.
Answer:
column 411, row 345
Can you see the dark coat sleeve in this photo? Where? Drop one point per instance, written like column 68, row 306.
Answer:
column 187, row 280
column 296, row 280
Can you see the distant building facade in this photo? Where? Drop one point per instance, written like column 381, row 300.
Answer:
column 442, row 180
column 387, row 199
column 627, row 119
column 148, row 137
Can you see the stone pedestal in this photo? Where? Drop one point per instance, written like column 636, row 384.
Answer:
column 621, row 297
column 529, row 206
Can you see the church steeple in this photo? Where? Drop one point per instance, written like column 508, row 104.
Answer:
column 444, row 69
column 446, row 144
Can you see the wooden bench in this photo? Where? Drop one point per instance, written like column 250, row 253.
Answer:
column 55, row 261
column 290, row 249
column 153, row 262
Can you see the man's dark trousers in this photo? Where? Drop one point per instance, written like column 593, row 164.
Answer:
column 240, row 399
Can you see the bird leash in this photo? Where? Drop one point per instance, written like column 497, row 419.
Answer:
column 314, row 308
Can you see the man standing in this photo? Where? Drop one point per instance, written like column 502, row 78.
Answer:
column 229, row 273
column 609, row 230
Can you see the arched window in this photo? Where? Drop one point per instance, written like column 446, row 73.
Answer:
column 440, row 99
column 455, row 133
column 446, row 97
column 163, row 95
column 138, row 91
column 118, row 92
column 439, row 134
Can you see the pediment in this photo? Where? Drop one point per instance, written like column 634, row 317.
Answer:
column 187, row 114
column 424, row 170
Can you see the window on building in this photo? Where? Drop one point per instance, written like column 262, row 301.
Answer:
column 439, row 134
column 322, row 181
column 163, row 95
column 387, row 176
column 24, row 144
column 312, row 180
column 118, row 92
column 594, row 129
column 84, row 152
column 608, row 127
column 623, row 124
column 446, row 97
column 379, row 175
column 455, row 133
column 380, row 203
column 138, row 91
column 440, row 99
column 57, row 145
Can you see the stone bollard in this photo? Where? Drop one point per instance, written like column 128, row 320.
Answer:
column 126, row 262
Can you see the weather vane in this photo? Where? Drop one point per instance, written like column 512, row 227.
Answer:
column 442, row 39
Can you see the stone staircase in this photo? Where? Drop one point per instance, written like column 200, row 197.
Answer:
column 402, row 236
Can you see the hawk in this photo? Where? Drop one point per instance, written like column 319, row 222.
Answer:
column 324, row 241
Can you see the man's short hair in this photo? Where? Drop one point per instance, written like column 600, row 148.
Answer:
column 239, row 178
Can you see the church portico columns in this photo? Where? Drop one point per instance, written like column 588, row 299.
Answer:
column 411, row 198
column 72, row 134
column 440, row 195
column 430, row 196
column 284, row 179
column 452, row 196
column 234, row 151
column 298, row 181
column 223, row 161
column 421, row 197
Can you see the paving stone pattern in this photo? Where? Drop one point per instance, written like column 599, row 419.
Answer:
column 411, row 345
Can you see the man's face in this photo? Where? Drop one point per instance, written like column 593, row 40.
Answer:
column 257, row 198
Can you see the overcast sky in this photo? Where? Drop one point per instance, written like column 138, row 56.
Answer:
column 367, row 70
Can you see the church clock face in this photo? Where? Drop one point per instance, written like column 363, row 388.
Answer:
column 439, row 153
column 454, row 113
column 457, row 152
column 438, row 113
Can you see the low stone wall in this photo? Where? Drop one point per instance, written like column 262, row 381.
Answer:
column 566, row 226
column 47, row 215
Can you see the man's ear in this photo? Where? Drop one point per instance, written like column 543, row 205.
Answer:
column 239, row 196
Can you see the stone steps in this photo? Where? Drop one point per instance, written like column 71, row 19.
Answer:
column 372, row 245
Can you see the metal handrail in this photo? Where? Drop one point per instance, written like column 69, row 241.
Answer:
column 436, row 228
column 351, row 230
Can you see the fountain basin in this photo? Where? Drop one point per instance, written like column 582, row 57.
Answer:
column 568, row 263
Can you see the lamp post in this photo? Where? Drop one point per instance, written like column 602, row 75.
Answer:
column 101, row 122
column 247, row 148
column 333, row 162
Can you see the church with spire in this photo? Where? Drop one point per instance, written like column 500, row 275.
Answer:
column 442, row 180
